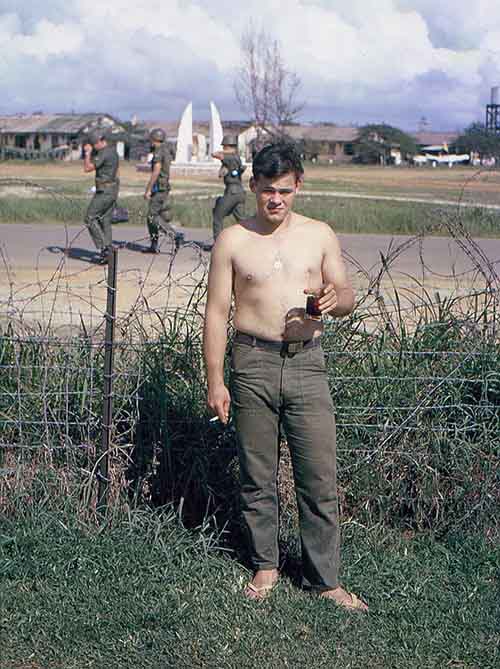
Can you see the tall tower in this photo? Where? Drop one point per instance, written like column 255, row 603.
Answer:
column 493, row 112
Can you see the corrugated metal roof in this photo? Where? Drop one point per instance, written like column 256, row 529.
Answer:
column 70, row 124
column 323, row 133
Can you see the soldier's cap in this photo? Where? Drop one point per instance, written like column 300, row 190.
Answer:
column 157, row 135
column 96, row 134
column 230, row 140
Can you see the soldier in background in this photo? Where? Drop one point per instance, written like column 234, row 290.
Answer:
column 233, row 200
column 157, row 192
column 101, row 158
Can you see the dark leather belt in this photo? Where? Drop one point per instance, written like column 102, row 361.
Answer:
column 288, row 348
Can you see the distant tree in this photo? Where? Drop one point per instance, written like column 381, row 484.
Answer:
column 264, row 87
column 480, row 140
column 375, row 141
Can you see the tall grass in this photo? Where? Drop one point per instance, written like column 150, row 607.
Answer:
column 345, row 215
column 418, row 412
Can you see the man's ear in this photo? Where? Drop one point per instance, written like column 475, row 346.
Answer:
column 299, row 182
column 252, row 184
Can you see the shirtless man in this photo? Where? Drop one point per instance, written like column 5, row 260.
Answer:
column 268, row 264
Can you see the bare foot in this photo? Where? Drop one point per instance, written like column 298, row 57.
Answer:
column 346, row 599
column 262, row 583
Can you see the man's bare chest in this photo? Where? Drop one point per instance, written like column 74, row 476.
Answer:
column 258, row 264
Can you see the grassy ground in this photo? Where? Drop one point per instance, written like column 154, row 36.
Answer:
column 440, row 183
column 344, row 214
column 142, row 592
column 465, row 183
column 64, row 196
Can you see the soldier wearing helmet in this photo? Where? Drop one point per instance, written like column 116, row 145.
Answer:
column 101, row 158
column 233, row 200
column 157, row 192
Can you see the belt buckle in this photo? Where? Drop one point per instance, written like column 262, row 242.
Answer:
column 294, row 347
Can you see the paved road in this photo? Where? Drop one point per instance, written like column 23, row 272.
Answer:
column 41, row 246
column 30, row 246
column 35, row 270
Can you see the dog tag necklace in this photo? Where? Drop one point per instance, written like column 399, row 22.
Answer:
column 278, row 264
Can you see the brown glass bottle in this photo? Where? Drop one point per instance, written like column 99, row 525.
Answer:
column 313, row 310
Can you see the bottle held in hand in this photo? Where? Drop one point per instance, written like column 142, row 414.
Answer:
column 313, row 310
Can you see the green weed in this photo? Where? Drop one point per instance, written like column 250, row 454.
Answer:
column 142, row 591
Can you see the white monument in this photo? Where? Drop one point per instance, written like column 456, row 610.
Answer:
column 189, row 158
column 215, row 131
column 201, row 143
column 185, row 136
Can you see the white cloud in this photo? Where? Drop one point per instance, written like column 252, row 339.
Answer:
column 48, row 39
column 358, row 60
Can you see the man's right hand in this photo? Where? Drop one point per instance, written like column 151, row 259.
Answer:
column 219, row 401
column 87, row 148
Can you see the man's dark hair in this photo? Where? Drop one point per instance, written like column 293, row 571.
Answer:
column 277, row 159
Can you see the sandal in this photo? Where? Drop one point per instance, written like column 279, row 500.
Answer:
column 259, row 592
column 356, row 604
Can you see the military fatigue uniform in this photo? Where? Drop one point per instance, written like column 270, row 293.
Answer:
column 233, row 200
column 159, row 206
column 100, row 210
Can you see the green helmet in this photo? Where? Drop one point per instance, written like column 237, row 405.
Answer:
column 96, row 134
column 230, row 140
column 157, row 135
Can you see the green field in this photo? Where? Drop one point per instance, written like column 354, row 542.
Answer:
column 58, row 193
column 344, row 214
column 143, row 592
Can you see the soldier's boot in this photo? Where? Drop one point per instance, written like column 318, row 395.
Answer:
column 218, row 213
column 104, row 256
column 153, row 247
column 178, row 240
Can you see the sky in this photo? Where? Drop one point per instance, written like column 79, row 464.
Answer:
column 359, row 61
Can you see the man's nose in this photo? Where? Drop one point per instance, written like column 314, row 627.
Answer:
column 276, row 197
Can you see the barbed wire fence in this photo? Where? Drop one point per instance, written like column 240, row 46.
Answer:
column 415, row 377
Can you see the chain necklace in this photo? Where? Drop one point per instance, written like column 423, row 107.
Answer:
column 277, row 263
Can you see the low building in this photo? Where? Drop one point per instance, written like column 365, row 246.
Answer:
column 325, row 142
column 45, row 136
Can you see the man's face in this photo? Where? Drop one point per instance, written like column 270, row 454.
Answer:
column 100, row 144
column 275, row 196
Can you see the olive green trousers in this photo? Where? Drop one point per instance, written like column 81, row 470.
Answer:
column 159, row 215
column 99, row 216
column 232, row 202
column 269, row 392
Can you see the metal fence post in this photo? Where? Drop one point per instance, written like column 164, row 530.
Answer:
column 102, row 469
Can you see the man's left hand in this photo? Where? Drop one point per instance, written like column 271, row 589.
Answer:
column 147, row 195
column 87, row 148
column 328, row 299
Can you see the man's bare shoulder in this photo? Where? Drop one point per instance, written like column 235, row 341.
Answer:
column 235, row 235
column 320, row 228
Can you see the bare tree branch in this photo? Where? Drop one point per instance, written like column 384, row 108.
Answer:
column 265, row 88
